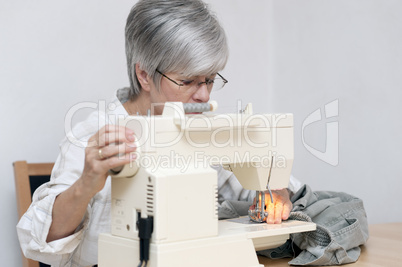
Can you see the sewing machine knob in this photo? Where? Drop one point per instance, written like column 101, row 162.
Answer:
column 130, row 169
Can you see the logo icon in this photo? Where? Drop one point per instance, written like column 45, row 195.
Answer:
column 331, row 153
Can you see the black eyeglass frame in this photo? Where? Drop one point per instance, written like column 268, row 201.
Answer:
column 206, row 81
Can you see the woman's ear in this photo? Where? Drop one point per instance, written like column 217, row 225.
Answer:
column 143, row 77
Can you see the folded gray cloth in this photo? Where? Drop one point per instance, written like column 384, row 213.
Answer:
column 341, row 228
column 230, row 209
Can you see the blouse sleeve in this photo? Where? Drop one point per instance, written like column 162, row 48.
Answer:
column 33, row 227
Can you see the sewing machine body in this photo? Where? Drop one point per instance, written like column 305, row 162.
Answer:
column 182, row 198
column 235, row 245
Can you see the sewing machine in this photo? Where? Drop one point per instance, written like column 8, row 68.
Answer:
column 172, row 192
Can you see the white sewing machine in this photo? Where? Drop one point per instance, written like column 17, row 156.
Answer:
column 172, row 186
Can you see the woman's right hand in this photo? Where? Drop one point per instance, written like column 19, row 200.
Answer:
column 109, row 148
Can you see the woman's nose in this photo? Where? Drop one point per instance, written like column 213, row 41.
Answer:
column 202, row 93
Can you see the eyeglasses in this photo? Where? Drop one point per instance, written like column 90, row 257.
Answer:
column 188, row 85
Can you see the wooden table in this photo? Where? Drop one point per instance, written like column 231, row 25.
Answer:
column 384, row 248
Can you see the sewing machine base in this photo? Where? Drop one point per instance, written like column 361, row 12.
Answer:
column 234, row 246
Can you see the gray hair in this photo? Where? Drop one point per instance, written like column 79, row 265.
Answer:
column 180, row 36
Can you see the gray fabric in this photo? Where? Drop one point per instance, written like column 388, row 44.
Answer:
column 230, row 209
column 341, row 228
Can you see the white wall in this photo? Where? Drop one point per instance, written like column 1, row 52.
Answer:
column 286, row 56
column 350, row 51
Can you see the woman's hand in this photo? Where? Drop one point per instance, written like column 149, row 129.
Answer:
column 280, row 209
column 109, row 148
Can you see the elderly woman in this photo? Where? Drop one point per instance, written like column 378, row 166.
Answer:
column 175, row 50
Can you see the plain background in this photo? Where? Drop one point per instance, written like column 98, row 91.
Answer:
column 286, row 56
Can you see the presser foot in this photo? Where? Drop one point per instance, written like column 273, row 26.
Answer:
column 258, row 213
column 257, row 216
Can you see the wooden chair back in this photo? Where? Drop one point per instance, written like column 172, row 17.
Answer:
column 28, row 177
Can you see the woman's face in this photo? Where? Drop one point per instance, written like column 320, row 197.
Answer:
column 171, row 92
